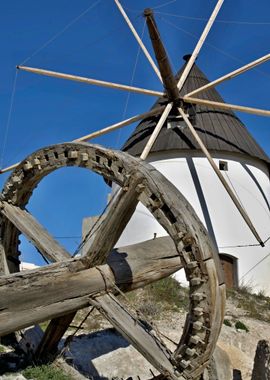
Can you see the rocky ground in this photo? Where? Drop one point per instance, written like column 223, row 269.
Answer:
column 98, row 350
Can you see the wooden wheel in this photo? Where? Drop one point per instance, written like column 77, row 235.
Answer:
column 139, row 182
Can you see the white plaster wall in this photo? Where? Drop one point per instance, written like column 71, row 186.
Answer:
column 229, row 227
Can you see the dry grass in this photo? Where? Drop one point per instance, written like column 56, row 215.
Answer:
column 256, row 306
column 163, row 295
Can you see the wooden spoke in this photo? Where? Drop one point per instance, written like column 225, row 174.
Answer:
column 226, row 106
column 136, row 333
column 230, row 75
column 96, row 82
column 37, row 234
column 112, row 226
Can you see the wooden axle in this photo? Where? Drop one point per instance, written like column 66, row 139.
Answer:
column 68, row 286
column 230, row 75
column 166, row 72
column 96, row 82
column 225, row 106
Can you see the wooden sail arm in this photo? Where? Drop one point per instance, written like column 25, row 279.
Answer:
column 230, row 75
column 226, row 106
column 137, row 37
column 199, row 44
column 221, row 178
column 95, row 82
column 113, row 127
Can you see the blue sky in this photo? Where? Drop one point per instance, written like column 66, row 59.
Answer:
column 99, row 45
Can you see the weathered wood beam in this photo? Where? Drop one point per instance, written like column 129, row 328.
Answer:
column 95, row 82
column 226, row 106
column 166, row 72
column 34, row 232
column 134, row 331
column 137, row 37
column 67, row 286
column 110, row 229
column 221, row 178
column 53, row 334
column 230, row 75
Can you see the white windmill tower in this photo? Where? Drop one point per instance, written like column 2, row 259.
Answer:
column 177, row 155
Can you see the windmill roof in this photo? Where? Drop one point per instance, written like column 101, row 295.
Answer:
column 220, row 130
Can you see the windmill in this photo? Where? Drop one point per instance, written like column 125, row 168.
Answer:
column 158, row 195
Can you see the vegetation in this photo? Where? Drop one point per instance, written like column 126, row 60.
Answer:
column 43, row 325
column 2, row 348
column 256, row 306
column 45, row 372
column 161, row 296
column 241, row 326
column 226, row 322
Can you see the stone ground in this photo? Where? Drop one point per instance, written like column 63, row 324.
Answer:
column 105, row 354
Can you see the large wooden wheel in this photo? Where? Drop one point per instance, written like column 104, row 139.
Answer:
column 60, row 289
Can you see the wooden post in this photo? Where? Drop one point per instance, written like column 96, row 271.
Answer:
column 221, row 178
column 96, row 82
column 166, row 72
column 261, row 369
column 133, row 30
column 230, row 75
column 225, row 106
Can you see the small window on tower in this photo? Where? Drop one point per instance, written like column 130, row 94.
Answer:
column 223, row 165
column 175, row 122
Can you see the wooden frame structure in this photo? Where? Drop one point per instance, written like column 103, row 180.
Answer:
column 89, row 280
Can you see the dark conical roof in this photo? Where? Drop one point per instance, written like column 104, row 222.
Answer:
column 220, row 130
